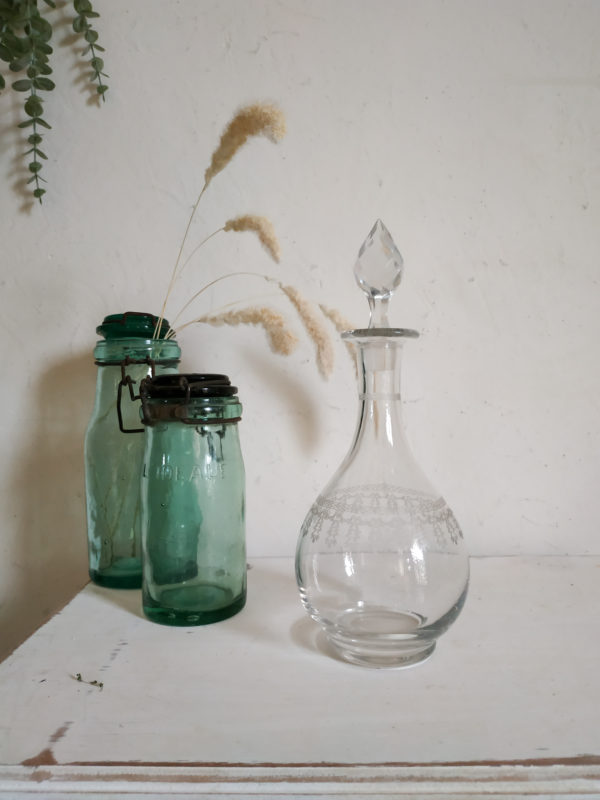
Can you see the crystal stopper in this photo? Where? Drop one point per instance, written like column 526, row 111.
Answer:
column 378, row 272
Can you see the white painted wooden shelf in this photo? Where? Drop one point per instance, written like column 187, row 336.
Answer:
column 255, row 706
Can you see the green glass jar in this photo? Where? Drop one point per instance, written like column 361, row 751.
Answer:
column 114, row 444
column 193, row 495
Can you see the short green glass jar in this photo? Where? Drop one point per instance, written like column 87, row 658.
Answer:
column 193, row 498
column 114, row 444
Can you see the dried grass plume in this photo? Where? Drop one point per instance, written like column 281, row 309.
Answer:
column 259, row 119
column 315, row 329
column 340, row 322
column 263, row 229
column 281, row 339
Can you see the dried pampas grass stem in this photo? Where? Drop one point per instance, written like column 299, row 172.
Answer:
column 281, row 339
column 172, row 330
column 260, row 119
column 341, row 324
column 315, row 329
column 263, row 229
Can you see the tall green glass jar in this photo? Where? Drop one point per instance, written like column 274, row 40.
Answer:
column 114, row 444
column 193, row 495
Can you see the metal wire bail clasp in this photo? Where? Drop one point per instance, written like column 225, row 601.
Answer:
column 127, row 380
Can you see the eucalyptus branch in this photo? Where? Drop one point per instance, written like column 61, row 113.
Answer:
column 24, row 45
column 31, row 52
column 81, row 25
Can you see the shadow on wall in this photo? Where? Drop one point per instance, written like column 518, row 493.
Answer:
column 296, row 400
column 48, row 501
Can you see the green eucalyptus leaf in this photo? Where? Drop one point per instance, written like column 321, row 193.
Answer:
column 79, row 24
column 86, row 50
column 2, row 82
column 33, row 106
column 101, row 49
column 32, row 179
column 44, row 83
column 35, row 138
column 43, row 47
column 42, row 27
column 43, row 123
column 39, row 192
column 32, row 71
column 27, row 123
column 19, row 63
column 12, row 42
column 5, row 54
column 101, row 89
column 50, row 3
column 97, row 64
column 37, row 152
column 82, row 5
column 23, row 85
column 34, row 166
column 44, row 69
column 90, row 14
column 91, row 36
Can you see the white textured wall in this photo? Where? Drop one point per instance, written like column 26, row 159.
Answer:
column 471, row 128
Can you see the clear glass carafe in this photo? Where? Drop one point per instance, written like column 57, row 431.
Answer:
column 381, row 562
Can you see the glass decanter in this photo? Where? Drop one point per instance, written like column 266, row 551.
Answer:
column 380, row 561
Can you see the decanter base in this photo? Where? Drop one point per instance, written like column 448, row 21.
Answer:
column 380, row 638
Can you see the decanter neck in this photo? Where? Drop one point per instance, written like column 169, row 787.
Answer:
column 379, row 360
column 379, row 366
column 379, row 355
column 380, row 454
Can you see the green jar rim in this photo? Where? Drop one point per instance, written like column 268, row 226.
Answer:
column 132, row 324
column 136, row 350
column 190, row 398
column 186, row 386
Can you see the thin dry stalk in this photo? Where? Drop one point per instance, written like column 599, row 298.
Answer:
column 314, row 328
column 171, row 330
column 259, row 119
column 281, row 339
column 263, row 229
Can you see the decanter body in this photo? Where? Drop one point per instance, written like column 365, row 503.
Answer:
column 380, row 561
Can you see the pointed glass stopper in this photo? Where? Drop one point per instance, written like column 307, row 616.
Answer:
column 378, row 272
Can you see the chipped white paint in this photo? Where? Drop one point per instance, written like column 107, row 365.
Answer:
column 255, row 706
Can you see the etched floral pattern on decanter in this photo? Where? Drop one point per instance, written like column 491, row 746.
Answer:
column 381, row 562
